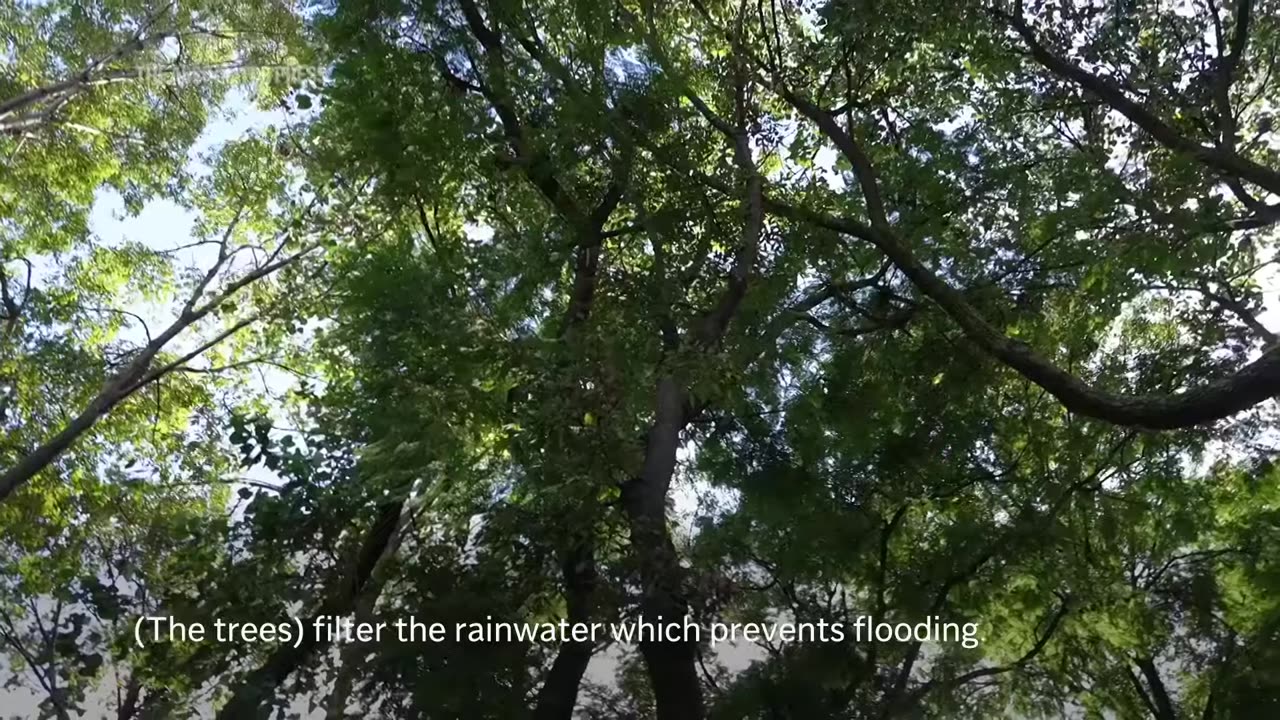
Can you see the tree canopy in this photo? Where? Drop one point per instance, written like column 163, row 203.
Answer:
column 786, row 312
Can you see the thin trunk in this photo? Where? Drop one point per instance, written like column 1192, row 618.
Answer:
column 559, row 693
column 123, row 384
column 251, row 698
column 367, row 600
column 128, row 708
column 1163, row 704
column 672, row 666
column 159, row 705
column 20, row 107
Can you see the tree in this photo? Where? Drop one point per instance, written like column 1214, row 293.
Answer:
column 943, row 313
column 104, row 125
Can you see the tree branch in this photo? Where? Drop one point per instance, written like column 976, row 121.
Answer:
column 1054, row 622
column 1218, row 158
column 1217, row 399
column 137, row 374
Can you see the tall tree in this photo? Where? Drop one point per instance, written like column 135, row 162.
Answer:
column 717, row 311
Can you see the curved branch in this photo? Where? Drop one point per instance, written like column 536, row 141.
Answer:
column 1054, row 622
column 1254, row 383
column 1250, row 385
column 1221, row 159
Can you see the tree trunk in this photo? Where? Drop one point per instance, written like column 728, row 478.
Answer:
column 672, row 666
column 1163, row 704
column 249, row 699
column 559, row 694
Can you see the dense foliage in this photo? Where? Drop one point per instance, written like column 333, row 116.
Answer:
column 773, row 311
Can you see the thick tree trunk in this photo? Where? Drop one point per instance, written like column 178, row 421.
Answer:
column 672, row 666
